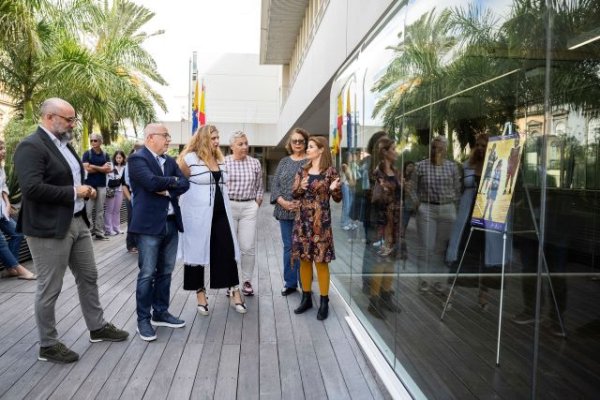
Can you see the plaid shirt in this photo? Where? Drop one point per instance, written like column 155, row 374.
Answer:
column 438, row 183
column 245, row 178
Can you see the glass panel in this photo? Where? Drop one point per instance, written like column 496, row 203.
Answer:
column 570, row 297
column 472, row 130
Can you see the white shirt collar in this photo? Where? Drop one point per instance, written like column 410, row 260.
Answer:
column 53, row 137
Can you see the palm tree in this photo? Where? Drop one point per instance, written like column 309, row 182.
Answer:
column 22, row 48
column 101, row 70
column 116, row 37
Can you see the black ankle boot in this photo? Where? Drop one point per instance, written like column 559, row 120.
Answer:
column 387, row 302
column 305, row 303
column 373, row 308
column 323, row 308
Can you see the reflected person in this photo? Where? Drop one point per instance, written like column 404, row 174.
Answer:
column 386, row 198
column 438, row 189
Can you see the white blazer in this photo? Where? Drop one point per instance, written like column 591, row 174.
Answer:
column 197, row 205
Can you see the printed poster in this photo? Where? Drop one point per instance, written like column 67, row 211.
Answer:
column 497, row 184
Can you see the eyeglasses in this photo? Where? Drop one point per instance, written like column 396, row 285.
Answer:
column 70, row 120
column 94, row 140
column 165, row 135
column 298, row 141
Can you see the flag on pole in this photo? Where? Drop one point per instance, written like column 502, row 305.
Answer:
column 348, row 120
column 340, row 122
column 202, row 110
column 195, row 109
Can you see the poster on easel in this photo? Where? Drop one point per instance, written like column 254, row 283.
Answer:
column 497, row 184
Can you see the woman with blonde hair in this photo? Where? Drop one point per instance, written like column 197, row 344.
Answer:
column 201, row 243
column 312, row 238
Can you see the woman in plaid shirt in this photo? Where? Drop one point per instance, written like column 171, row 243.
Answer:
column 245, row 193
column 438, row 189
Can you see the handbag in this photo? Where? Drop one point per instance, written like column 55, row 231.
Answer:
column 114, row 183
column 379, row 195
column 110, row 192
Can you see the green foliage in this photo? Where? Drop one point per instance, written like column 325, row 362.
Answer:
column 15, row 131
column 173, row 152
column 87, row 52
column 461, row 70
column 123, row 144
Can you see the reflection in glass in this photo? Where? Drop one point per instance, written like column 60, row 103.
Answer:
column 461, row 74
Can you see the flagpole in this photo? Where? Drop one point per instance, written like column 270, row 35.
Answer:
column 190, row 84
column 194, row 79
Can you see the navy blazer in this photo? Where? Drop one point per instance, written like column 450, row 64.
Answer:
column 149, row 209
column 46, row 181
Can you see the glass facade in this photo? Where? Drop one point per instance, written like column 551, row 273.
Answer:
column 469, row 230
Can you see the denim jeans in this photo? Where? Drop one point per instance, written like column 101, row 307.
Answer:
column 347, row 200
column 290, row 275
column 156, row 261
column 9, row 251
column 130, row 238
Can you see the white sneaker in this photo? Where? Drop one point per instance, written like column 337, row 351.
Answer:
column 379, row 243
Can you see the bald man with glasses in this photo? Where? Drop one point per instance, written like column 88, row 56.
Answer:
column 156, row 184
column 54, row 220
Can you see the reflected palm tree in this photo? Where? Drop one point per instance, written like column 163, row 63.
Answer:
column 466, row 69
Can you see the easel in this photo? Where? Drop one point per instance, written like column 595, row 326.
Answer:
column 507, row 127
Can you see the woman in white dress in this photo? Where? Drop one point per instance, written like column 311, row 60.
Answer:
column 207, row 238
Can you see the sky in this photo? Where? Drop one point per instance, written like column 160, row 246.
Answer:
column 210, row 27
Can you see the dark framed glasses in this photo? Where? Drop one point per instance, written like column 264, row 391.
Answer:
column 298, row 141
column 70, row 120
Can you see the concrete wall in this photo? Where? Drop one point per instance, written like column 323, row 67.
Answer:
column 343, row 27
column 258, row 134
column 241, row 94
column 240, row 90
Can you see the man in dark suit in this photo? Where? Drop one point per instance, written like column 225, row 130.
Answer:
column 156, row 183
column 53, row 218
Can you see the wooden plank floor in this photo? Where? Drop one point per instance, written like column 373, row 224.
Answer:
column 268, row 353
column 455, row 358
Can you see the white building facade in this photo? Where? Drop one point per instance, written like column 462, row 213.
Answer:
column 467, row 71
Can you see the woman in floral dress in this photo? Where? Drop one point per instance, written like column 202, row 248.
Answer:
column 312, row 238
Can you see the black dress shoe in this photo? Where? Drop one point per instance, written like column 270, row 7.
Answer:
column 288, row 290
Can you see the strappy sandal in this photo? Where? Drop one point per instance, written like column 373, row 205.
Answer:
column 239, row 307
column 202, row 308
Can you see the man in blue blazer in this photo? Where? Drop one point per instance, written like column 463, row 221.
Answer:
column 156, row 183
